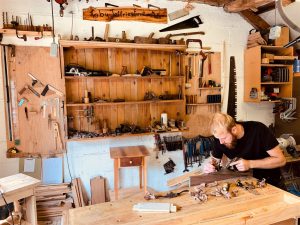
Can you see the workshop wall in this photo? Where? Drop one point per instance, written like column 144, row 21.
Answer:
column 223, row 31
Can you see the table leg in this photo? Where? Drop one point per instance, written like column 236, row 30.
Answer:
column 116, row 177
column 145, row 174
column 141, row 175
column 31, row 216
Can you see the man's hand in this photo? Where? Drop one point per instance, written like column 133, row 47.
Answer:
column 241, row 164
column 210, row 167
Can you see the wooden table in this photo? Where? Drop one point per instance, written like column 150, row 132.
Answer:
column 21, row 186
column 270, row 206
column 128, row 156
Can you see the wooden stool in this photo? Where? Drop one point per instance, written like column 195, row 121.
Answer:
column 128, row 156
column 17, row 187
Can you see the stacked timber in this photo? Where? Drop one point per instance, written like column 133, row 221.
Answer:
column 52, row 200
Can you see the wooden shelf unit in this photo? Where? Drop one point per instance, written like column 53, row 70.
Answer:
column 253, row 71
column 26, row 32
column 110, row 56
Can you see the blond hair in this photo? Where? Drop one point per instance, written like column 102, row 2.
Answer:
column 223, row 121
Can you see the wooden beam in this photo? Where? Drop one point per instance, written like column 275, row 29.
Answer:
column 241, row 5
column 218, row 3
column 255, row 20
column 270, row 6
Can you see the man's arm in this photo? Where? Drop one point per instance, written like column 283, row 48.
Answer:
column 275, row 160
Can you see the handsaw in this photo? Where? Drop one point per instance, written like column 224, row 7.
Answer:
column 232, row 101
column 192, row 22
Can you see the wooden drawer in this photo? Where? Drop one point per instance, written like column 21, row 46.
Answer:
column 130, row 161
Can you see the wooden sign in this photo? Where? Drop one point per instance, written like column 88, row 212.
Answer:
column 126, row 13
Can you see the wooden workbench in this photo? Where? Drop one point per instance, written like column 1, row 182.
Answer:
column 270, row 206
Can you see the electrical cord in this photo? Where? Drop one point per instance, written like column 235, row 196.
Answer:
column 6, row 205
column 69, row 166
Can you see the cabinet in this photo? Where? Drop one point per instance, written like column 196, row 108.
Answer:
column 268, row 73
column 115, row 100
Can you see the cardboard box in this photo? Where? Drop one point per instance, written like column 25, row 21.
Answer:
column 284, row 37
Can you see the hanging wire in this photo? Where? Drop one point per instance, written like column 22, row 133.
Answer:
column 275, row 9
column 53, row 36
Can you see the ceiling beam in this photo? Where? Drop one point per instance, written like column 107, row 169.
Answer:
column 256, row 21
column 270, row 6
column 218, row 3
column 240, row 5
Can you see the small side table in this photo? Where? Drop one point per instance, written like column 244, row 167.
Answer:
column 17, row 187
column 128, row 156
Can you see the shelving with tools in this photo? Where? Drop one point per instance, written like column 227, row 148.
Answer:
column 268, row 73
column 203, row 97
column 35, row 103
column 103, row 102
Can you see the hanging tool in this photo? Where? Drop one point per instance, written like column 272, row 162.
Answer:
column 232, row 98
column 190, row 67
column 188, row 41
column 192, row 22
column 209, row 63
column 181, row 12
column 58, row 140
column 15, row 26
column 51, row 90
column 35, row 81
column 61, row 5
column 187, row 34
column 111, row 5
column 152, row 6
column 201, row 66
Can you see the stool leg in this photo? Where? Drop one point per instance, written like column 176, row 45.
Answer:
column 116, row 177
column 141, row 176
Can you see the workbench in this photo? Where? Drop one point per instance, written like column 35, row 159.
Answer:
column 21, row 186
column 272, row 205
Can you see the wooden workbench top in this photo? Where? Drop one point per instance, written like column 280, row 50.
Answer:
column 18, row 182
column 270, row 206
column 128, row 151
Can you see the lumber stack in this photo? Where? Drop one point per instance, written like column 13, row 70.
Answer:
column 52, row 200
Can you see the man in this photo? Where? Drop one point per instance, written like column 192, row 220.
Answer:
column 252, row 143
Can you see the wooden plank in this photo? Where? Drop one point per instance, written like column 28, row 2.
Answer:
column 109, row 45
column 216, row 176
column 126, row 14
column 97, row 190
column 182, row 179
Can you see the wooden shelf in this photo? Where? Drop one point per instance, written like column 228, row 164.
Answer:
column 296, row 74
column 120, row 136
column 284, row 57
column 32, row 155
column 203, row 104
column 96, row 44
column 122, row 77
column 274, row 65
column 28, row 33
column 123, row 103
column 209, row 88
column 276, row 83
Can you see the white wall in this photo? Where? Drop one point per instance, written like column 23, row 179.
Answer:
column 91, row 159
